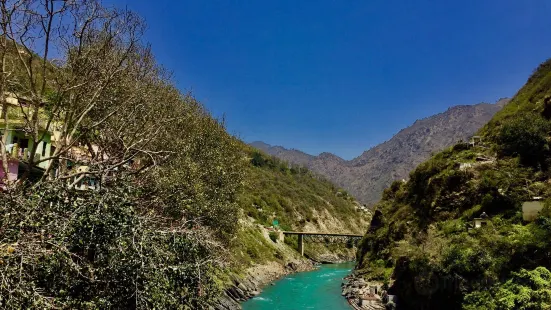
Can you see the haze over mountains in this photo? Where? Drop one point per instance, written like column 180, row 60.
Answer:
column 367, row 175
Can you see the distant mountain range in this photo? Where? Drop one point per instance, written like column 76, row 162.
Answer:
column 367, row 175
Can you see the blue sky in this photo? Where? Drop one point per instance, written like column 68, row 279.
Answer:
column 342, row 76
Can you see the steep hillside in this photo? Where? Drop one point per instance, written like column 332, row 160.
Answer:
column 366, row 176
column 423, row 241
column 298, row 200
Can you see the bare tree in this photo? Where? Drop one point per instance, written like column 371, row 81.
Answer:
column 80, row 72
column 85, row 75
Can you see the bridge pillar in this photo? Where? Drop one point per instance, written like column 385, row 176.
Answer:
column 301, row 244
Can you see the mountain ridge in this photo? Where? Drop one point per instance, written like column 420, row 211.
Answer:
column 367, row 175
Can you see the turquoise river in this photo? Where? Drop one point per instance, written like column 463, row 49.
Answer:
column 319, row 289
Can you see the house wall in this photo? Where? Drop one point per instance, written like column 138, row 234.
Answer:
column 479, row 222
column 530, row 209
column 47, row 138
column 10, row 136
column 16, row 121
column 48, row 144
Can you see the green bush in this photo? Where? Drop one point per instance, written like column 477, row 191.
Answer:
column 257, row 159
column 525, row 137
column 273, row 236
column 390, row 192
column 526, row 290
column 70, row 249
column 546, row 211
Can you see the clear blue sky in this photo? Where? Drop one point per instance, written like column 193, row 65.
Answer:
column 343, row 76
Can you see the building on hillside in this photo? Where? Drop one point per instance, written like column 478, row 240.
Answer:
column 19, row 145
column 532, row 208
column 481, row 221
column 475, row 141
column 87, row 182
column 370, row 300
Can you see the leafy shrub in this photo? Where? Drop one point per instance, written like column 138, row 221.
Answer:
column 390, row 192
column 257, row 159
column 528, row 290
column 546, row 211
column 525, row 137
column 460, row 146
column 273, row 236
column 64, row 248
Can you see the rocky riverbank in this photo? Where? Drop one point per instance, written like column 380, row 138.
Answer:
column 246, row 284
column 249, row 285
column 255, row 278
column 364, row 295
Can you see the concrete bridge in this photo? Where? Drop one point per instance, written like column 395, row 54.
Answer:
column 321, row 238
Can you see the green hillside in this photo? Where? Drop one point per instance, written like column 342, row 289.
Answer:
column 298, row 200
column 422, row 242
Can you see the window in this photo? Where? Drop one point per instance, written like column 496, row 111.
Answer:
column 21, row 142
column 43, row 148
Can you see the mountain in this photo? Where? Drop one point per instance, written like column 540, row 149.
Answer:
column 293, row 156
column 470, row 228
column 366, row 176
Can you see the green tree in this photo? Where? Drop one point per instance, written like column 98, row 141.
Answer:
column 526, row 290
column 525, row 137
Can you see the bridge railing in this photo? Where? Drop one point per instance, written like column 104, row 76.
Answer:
column 321, row 237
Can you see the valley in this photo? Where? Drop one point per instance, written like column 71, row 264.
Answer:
column 127, row 180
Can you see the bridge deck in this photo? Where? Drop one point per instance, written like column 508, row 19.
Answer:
column 319, row 234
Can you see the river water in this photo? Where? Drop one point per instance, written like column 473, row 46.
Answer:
column 319, row 289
